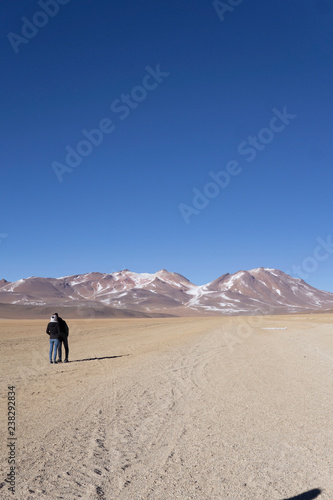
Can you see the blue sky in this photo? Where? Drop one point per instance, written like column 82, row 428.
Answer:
column 196, row 87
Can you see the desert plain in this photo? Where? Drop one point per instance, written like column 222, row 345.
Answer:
column 173, row 408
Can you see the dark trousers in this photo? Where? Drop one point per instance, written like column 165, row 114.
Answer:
column 63, row 340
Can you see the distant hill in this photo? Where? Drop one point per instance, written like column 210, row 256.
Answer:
column 129, row 294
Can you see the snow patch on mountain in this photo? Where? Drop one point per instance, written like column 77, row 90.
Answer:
column 260, row 290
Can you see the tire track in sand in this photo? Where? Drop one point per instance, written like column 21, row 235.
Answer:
column 81, row 445
column 182, row 371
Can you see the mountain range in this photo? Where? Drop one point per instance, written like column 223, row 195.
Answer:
column 164, row 293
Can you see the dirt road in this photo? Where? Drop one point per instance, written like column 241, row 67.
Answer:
column 217, row 408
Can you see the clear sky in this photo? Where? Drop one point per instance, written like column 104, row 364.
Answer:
column 213, row 149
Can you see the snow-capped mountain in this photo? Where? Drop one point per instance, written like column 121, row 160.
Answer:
column 259, row 291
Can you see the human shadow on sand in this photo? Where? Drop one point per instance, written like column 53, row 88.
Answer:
column 95, row 359
column 309, row 495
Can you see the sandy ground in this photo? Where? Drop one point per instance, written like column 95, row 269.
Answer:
column 217, row 408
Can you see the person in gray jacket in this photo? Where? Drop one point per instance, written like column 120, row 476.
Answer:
column 53, row 331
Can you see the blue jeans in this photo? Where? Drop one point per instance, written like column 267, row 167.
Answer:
column 53, row 344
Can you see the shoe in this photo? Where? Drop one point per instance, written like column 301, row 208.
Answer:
column 65, row 360
column 59, row 361
column 55, row 362
column 51, row 362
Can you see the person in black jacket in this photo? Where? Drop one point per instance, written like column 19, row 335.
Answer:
column 63, row 338
column 53, row 330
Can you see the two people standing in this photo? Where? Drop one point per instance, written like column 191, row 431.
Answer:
column 58, row 331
